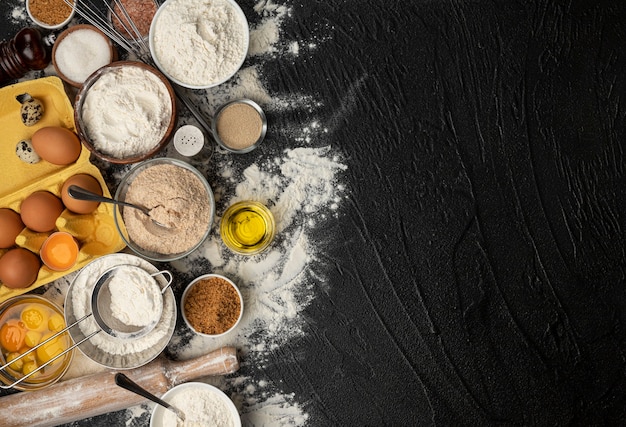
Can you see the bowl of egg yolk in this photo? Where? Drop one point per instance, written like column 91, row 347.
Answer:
column 26, row 322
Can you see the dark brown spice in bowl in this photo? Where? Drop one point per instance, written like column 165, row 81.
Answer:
column 212, row 306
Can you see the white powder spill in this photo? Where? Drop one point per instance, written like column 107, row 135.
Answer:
column 263, row 38
column 302, row 187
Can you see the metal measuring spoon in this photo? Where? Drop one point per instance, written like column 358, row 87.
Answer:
column 125, row 382
column 80, row 193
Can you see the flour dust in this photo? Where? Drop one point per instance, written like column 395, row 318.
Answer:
column 302, row 186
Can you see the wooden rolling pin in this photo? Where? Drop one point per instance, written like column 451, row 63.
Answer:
column 97, row 394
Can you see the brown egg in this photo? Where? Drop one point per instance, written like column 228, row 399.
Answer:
column 40, row 210
column 87, row 182
column 19, row 268
column 10, row 226
column 56, row 145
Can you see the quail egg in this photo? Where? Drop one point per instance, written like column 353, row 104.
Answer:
column 26, row 153
column 32, row 109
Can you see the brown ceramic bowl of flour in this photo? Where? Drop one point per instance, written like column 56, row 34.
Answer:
column 181, row 206
column 125, row 112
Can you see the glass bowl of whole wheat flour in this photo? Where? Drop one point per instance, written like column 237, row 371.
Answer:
column 181, row 209
column 125, row 112
column 199, row 44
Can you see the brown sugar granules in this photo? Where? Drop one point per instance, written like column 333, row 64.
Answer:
column 239, row 126
column 212, row 306
column 51, row 12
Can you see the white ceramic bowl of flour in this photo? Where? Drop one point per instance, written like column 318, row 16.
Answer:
column 203, row 405
column 199, row 43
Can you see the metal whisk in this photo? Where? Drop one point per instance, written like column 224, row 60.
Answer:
column 135, row 43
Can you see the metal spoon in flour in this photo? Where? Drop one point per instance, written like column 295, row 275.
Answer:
column 125, row 382
column 80, row 193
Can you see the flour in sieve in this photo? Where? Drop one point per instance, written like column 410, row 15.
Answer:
column 81, row 291
column 135, row 298
column 199, row 42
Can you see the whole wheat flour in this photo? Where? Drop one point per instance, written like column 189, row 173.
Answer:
column 177, row 199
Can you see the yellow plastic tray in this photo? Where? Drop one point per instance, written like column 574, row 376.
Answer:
column 95, row 232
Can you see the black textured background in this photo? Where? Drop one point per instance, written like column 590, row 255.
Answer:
column 477, row 269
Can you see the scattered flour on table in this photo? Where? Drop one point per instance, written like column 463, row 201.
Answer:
column 302, row 187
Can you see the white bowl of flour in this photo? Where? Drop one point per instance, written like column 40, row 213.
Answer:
column 203, row 405
column 199, row 43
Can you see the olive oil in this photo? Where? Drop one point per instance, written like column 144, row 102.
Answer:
column 247, row 227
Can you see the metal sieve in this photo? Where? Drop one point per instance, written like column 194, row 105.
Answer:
column 104, row 297
column 101, row 312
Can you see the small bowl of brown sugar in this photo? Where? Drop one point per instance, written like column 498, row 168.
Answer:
column 212, row 305
column 50, row 14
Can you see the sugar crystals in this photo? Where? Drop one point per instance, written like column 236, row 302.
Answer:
column 212, row 306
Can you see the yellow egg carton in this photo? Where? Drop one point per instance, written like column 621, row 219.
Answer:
column 96, row 232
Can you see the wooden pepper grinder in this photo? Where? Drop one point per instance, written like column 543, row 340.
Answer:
column 27, row 51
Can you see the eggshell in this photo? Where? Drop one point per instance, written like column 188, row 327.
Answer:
column 40, row 210
column 10, row 226
column 87, row 182
column 56, row 145
column 26, row 153
column 31, row 111
column 19, row 268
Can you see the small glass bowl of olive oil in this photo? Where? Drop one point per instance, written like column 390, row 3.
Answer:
column 247, row 227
